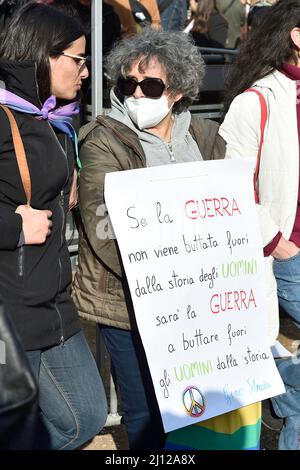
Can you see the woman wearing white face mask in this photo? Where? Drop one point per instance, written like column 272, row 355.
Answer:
column 155, row 76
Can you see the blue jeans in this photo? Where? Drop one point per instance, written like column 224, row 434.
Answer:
column 287, row 273
column 287, row 405
column 173, row 18
column 72, row 400
column 141, row 413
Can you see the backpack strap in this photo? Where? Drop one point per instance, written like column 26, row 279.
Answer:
column 263, row 120
column 20, row 154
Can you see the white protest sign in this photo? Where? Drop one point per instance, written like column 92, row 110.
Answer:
column 191, row 248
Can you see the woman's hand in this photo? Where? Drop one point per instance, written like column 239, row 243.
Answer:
column 73, row 198
column 285, row 249
column 35, row 223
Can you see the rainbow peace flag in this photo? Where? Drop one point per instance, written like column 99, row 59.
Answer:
column 237, row 430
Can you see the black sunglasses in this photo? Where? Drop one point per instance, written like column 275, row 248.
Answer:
column 151, row 87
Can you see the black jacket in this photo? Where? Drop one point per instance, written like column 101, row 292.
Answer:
column 35, row 279
column 18, row 392
column 217, row 29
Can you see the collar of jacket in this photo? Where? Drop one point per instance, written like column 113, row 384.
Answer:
column 20, row 78
column 204, row 132
column 276, row 82
column 124, row 133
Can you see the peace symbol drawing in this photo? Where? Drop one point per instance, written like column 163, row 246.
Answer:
column 193, row 401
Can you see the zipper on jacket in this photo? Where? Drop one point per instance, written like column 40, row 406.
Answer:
column 21, row 261
column 171, row 153
column 62, row 208
column 61, row 339
column 61, row 205
column 63, row 150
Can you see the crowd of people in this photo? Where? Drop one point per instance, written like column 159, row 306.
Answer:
column 212, row 23
column 155, row 71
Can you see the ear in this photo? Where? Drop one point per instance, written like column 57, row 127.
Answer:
column 176, row 97
column 295, row 36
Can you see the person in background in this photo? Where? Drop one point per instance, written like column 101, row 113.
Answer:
column 255, row 14
column 173, row 14
column 132, row 14
column 18, row 392
column 155, row 76
column 111, row 28
column 269, row 62
column 234, row 13
column 42, row 66
column 209, row 28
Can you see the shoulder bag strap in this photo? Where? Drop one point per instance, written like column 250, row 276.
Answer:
column 263, row 120
column 20, row 154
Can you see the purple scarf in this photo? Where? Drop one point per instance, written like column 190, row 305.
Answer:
column 60, row 117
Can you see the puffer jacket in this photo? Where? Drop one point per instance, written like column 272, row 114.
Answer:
column 100, row 283
column 278, row 179
column 35, row 279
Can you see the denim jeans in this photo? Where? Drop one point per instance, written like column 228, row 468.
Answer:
column 140, row 409
column 287, row 405
column 287, row 273
column 173, row 18
column 72, row 400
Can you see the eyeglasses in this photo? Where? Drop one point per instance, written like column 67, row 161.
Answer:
column 151, row 87
column 80, row 60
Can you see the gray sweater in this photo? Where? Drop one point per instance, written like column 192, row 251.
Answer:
column 182, row 147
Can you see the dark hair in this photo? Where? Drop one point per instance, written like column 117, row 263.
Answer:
column 70, row 7
column 201, row 16
column 33, row 33
column 256, row 13
column 268, row 46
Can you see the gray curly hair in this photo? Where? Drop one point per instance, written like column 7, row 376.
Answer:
column 176, row 53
